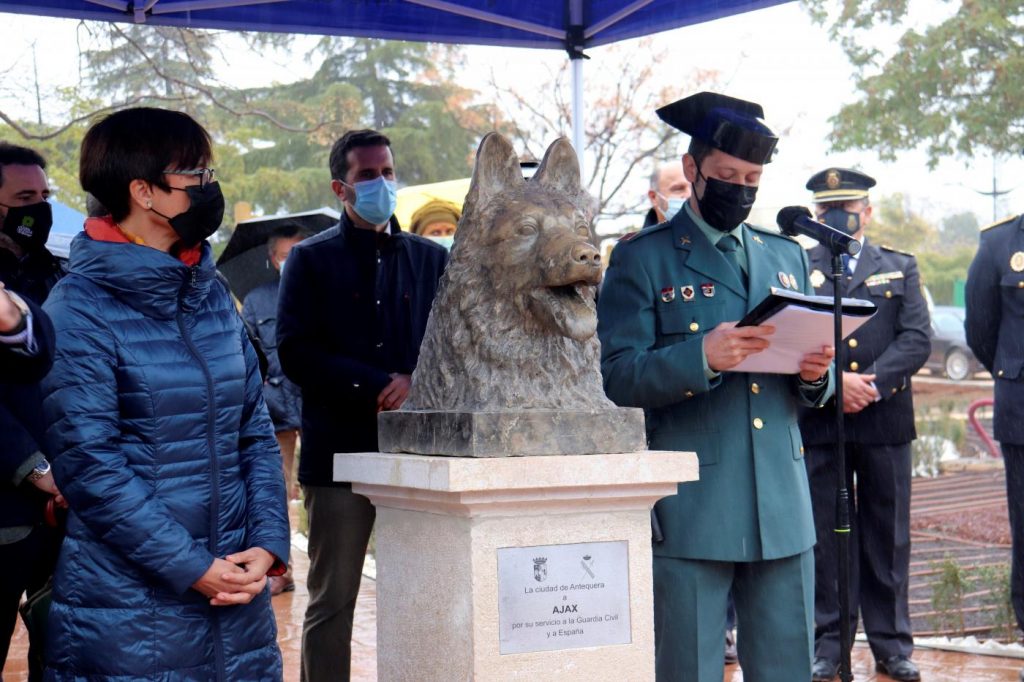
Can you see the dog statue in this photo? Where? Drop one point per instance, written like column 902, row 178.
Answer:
column 514, row 323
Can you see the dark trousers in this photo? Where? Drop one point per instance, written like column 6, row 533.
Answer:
column 25, row 566
column 879, row 546
column 340, row 523
column 1013, row 459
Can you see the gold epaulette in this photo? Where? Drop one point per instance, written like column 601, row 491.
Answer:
column 886, row 247
column 999, row 222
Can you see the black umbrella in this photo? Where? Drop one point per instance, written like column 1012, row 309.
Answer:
column 245, row 262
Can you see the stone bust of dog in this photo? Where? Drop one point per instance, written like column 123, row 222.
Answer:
column 514, row 324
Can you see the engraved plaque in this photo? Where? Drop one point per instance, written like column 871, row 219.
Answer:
column 563, row 596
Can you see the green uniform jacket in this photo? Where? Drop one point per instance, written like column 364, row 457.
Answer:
column 752, row 501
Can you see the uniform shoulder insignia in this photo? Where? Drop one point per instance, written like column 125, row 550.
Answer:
column 1000, row 222
column 886, row 247
column 769, row 231
column 633, row 236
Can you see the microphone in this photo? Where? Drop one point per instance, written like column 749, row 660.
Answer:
column 794, row 220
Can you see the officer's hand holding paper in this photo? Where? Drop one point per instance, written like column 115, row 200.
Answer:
column 803, row 325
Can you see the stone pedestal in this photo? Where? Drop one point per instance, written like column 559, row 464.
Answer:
column 517, row 568
column 512, row 433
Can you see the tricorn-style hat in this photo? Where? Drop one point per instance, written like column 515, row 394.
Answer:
column 731, row 125
column 839, row 184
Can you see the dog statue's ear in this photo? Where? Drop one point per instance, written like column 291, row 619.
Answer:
column 496, row 170
column 560, row 169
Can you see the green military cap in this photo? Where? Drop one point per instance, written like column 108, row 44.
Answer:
column 731, row 125
column 839, row 184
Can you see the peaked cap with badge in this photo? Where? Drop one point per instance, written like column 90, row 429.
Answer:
column 728, row 124
column 839, row 184
column 892, row 346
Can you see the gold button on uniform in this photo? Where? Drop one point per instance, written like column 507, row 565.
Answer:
column 755, row 389
column 999, row 373
column 853, row 343
column 1020, row 284
column 854, row 366
column 689, row 394
column 694, row 327
column 888, row 294
column 758, row 423
column 894, row 389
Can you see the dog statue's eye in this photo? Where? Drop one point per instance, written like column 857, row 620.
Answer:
column 583, row 231
column 526, row 229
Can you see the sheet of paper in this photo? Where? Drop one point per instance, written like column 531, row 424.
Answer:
column 798, row 331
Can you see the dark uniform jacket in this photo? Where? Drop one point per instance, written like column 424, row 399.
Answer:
column 893, row 345
column 995, row 321
column 352, row 310
column 32, row 277
column 21, row 424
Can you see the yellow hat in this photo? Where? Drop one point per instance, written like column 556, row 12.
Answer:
column 436, row 211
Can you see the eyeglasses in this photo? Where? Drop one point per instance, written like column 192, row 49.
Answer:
column 205, row 175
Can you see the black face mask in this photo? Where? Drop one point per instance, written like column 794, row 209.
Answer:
column 203, row 217
column 724, row 205
column 29, row 226
column 842, row 220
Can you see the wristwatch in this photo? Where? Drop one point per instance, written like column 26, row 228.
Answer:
column 38, row 472
column 22, row 307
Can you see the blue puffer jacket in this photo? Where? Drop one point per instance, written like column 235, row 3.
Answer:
column 164, row 450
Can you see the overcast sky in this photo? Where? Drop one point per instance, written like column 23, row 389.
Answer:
column 800, row 82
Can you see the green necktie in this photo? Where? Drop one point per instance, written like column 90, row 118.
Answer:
column 729, row 246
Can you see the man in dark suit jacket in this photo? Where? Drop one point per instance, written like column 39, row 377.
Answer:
column 352, row 358
column 28, row 547
column 995, row 332
column 879, row 425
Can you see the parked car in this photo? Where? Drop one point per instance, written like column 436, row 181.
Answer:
column 950, row 354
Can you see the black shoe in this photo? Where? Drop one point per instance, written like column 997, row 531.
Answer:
column 731, row 655
column 824, row 670
column 899, row 668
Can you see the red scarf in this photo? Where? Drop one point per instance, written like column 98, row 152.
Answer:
column 104, row 229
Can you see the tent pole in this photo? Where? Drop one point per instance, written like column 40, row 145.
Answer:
column 578, row 140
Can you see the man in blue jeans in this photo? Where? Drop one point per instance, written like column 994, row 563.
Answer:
column 352, row 358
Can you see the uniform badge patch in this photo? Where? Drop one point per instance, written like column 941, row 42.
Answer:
column 1017, row 262
column 817, row 278
column 792, row 282
column 784, row 279
column 708, row 289
column 668, row 294
column 688, row 292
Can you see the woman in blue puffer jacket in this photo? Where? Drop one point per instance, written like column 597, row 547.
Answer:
column 162, row 443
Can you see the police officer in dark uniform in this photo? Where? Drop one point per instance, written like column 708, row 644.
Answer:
column 880, row 358
column 995, row 332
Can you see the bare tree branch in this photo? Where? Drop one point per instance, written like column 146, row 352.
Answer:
column 29, row 135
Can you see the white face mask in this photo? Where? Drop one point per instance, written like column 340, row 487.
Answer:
column 446, row 242
column 280, row 266
column 674, row 205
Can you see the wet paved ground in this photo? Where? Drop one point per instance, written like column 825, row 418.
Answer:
column 933, row 501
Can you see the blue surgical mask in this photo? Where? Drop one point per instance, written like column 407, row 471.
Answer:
column 446, row 242
column 375, row 199
column 842, row 220
column 674, row 206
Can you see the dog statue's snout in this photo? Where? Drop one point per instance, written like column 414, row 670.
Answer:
column 585, row 254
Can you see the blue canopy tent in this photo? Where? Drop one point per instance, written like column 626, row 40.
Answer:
column 571, row 25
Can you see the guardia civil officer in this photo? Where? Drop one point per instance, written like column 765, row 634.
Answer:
column 666, row 319
column 880, row 358
column 995, row 332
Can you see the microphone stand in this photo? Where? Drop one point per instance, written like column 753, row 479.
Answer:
column 842, row 529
